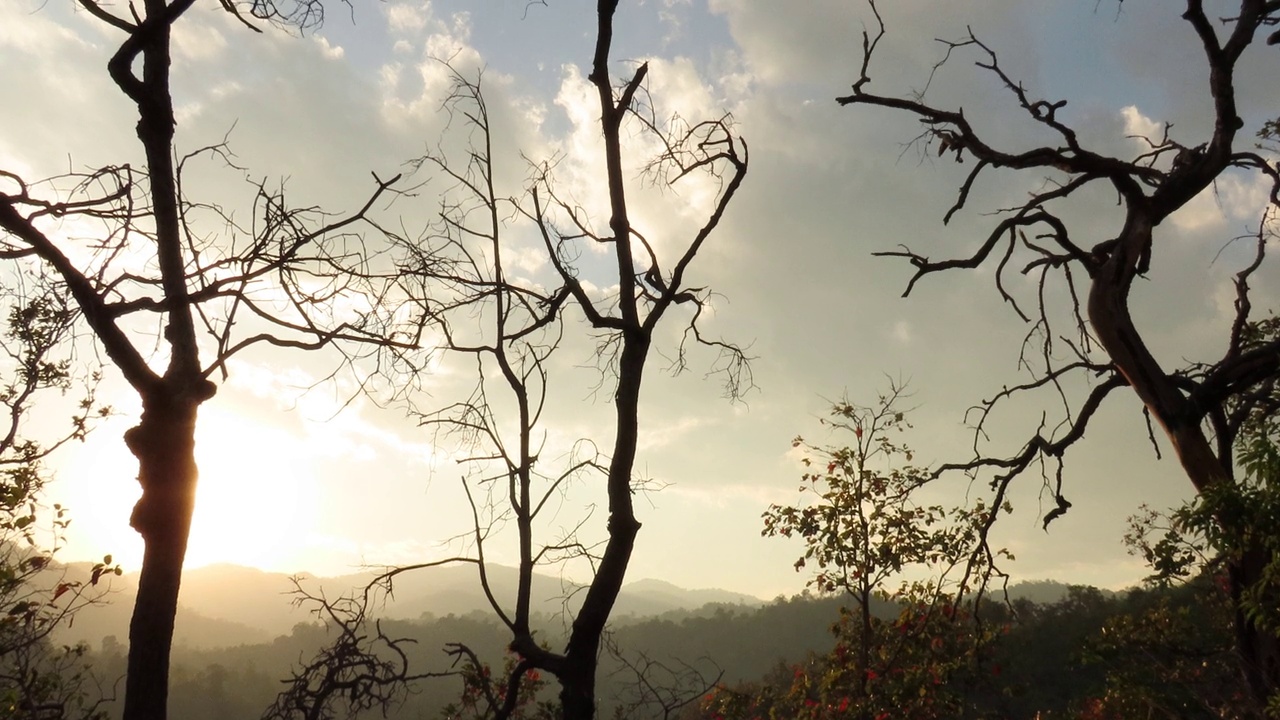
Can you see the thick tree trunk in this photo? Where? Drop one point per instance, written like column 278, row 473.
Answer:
column 164, row 443
column 1109, row 316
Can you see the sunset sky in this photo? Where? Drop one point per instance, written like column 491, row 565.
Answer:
column 295, row 479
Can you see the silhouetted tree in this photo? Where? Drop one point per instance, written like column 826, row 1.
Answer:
column 152, row 264
column 1199, row 406
column 470, row 296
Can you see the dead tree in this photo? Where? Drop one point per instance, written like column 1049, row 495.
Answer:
column 469, row 297
column 161, row 265
column 1199, row 406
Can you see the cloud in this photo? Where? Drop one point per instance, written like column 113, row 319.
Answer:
column 27, row 30
column 407, row 18
column 822, row 45
column 791, row 262
column 1142, row 130
column 195, row 43
column 659, row 436
column 1231, row 204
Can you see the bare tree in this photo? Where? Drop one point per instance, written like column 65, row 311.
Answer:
column 163, row 272
column 653, row 688
column 364, row 669
column 1199, row 406
column 470, row 297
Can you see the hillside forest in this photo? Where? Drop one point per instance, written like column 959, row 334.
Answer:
column 1064, row 652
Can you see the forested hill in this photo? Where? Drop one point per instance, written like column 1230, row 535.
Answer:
column 229, row 605
column 740, row 645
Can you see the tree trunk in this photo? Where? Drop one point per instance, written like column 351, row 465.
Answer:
column 164, row 443
column 1109, row 316
column 578, row 681
column 578, row 691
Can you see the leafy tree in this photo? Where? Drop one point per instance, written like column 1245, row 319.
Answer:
column 483, row 690
column 1201, row 407
column 39, row 679
column 865, row 529
column 143, row 256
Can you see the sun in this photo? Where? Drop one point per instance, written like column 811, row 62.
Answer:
column 261, row 500
column 253, row 504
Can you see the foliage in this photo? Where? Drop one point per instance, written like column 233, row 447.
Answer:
column 865, row 525
column 1211, row 535
column 484, row 692
column 923, row 667
column 1168, row 655
column 865, row 528
column 39, row 679
column 1054, row 661
column 1042, row 673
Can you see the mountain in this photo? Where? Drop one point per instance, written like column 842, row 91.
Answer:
column 644, row 598
column 1043, row 669
column 109, row 615
column 1046, row 592
column 229, row 605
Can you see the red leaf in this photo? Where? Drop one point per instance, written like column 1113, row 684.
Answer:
column 61, row 590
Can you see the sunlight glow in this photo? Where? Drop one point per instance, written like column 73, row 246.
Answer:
column 253, row 506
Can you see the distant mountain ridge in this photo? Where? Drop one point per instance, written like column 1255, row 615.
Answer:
column 227, row 605
column 1047, row 592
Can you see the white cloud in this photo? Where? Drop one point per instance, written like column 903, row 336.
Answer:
column 530, row 260
column 408, row 18
column 413, row 90
column 1232, row 204
column 1141, row 128
column 667, row 215
column 328, row 50
column 25, row 29
column 197, row 43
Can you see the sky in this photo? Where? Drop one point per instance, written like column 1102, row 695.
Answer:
column 298, row 474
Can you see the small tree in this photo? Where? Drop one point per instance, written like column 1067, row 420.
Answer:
column 1201, row 407
column 906, row 652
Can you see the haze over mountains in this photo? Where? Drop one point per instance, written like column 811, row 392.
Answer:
column 239, row 634
column 229, row 605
